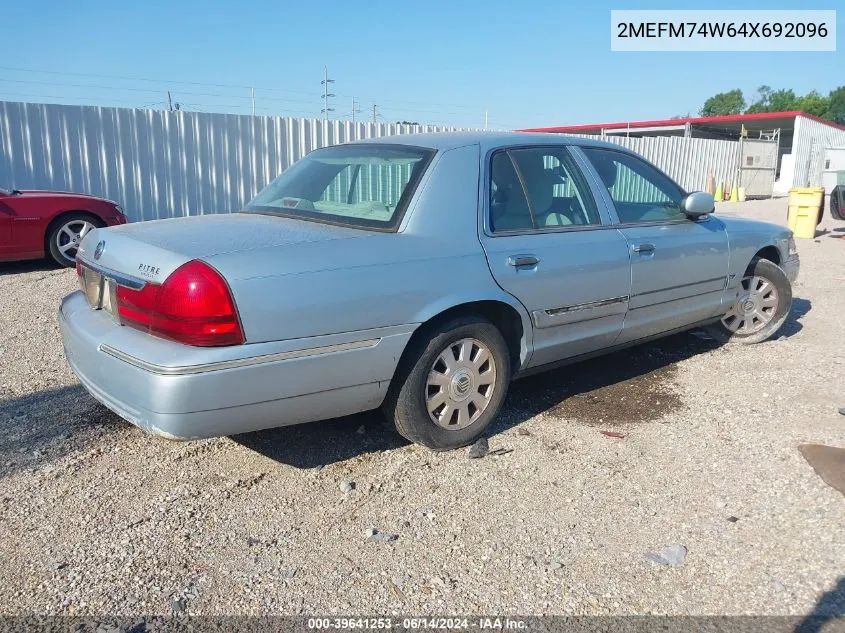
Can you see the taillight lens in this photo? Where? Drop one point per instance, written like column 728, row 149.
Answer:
column 193, row 306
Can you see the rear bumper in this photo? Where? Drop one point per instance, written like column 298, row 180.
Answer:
column 301, row 381
column 791, row 267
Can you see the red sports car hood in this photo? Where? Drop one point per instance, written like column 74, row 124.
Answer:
column 46, row 193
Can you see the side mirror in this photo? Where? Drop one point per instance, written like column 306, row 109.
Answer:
column 698, row 203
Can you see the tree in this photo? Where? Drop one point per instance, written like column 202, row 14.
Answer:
column 782, row 101
column 831, row 107
column 813, row 103
column 769, row 100
column 731, row 102
column 836, row 106
column 761, row 104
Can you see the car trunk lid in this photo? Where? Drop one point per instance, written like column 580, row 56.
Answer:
column 153, row 250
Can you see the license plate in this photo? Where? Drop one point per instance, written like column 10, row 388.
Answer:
column 100, row 291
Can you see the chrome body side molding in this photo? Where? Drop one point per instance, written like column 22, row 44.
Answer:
column 234, row 363
column 580, row 312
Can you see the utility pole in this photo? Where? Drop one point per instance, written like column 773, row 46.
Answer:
column 375, row 115
column 169, row 102
column 485, row 119
column 326, row 94
column 356, row 109
column 253, row 101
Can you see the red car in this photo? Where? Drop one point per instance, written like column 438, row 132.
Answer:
column 37, row 223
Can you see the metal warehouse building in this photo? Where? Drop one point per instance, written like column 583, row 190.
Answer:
column 779, row 150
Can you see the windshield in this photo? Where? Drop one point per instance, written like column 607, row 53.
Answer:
column 361, row 185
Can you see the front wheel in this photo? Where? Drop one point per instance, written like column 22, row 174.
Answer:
column 66, row 234
column 450, row 383
column 761, row 307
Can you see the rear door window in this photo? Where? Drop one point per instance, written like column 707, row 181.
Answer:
column 558, row 194
column 509, row 209
column 538, row 188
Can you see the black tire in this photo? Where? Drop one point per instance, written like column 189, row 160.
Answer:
column 405, row 404
column 54, row 235
column 837, row 202
column 774, row 274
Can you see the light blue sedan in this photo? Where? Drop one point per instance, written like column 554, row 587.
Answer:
column 419, row 274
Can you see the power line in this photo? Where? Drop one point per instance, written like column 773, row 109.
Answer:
column 249, row 103
column 167, row 81
column 427, row 103
column 99, row 101
column 451, row 108
column 151, row 90
column 208, row 108
column 244, row 87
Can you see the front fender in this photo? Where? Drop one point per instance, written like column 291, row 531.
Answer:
column 749, row 237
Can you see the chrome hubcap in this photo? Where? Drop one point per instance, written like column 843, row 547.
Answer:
column 70, row 237
column 460, row 384
column 754, row 308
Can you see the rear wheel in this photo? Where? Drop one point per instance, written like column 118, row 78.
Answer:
column 761, row 307
column 450, row 384
column 65, row 235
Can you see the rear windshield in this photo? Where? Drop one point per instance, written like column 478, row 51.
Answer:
column 361, row 185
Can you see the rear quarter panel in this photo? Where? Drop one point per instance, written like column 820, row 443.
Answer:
column 28, row 224
column 376, row 280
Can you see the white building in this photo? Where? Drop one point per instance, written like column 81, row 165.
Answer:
column 781, row 150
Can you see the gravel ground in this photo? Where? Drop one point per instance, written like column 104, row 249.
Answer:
column 594, row 471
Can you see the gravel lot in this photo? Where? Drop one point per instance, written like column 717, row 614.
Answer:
column 99, row 518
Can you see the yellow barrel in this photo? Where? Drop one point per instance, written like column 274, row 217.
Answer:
column 805, row 204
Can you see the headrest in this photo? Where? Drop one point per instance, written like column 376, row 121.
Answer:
column 607, row 169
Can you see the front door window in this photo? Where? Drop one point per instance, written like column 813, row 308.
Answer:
column 639, row 192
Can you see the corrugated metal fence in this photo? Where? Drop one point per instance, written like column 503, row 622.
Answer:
column 159, row 164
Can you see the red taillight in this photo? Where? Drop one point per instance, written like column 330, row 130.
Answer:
column 193, row 306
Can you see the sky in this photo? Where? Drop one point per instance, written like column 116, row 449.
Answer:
column 515, row 64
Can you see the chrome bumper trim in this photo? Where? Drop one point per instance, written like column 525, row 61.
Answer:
column 237, row 362
column 124, row 280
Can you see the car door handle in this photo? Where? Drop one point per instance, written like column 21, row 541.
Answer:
column 517, row 261
column 643, row 248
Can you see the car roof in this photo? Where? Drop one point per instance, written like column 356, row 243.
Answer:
column 486, row 140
